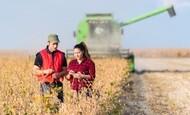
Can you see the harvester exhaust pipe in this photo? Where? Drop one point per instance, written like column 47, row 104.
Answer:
column 171, row 12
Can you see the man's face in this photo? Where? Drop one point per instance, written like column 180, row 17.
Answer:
column 53, row 46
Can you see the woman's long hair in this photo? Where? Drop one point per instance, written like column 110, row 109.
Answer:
column 82, row 46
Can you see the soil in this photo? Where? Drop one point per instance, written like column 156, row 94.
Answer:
column 158, row 92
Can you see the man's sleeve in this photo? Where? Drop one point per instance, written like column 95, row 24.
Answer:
column 38, row 60
column 64, row 61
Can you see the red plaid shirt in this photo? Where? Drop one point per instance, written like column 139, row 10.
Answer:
column 86, row 67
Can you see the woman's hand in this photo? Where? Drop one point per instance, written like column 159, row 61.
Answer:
column 70, row 74
column 78, row 75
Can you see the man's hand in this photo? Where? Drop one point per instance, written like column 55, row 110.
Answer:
column 38, row 71
column 55, row 75
column 48, row 71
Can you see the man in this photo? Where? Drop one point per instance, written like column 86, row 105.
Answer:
column 50, row 67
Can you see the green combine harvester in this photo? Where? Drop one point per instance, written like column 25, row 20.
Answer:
column 102, row 34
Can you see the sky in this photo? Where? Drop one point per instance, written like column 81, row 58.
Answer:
column 26, row 24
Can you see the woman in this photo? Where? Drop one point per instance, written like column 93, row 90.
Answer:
column 81, row 70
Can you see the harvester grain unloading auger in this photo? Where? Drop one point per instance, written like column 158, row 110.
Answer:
column 102, row 34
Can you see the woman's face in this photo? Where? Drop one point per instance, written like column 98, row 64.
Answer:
column 78, row 53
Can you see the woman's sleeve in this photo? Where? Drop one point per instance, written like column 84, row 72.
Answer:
column 92, row 70
column 68, row 69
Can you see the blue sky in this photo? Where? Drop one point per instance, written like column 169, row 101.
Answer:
column 26, row 24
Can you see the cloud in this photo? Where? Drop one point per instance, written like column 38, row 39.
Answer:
column 179, row 4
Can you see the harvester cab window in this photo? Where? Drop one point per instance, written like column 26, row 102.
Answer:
column 100, row 29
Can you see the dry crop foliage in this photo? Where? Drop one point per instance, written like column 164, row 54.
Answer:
column 20, row 89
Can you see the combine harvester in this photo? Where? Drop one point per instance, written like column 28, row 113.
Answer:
column 102, row 34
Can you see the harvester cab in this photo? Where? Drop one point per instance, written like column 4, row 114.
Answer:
column 102, row 34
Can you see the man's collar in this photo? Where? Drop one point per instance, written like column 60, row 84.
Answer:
column 48, row 51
